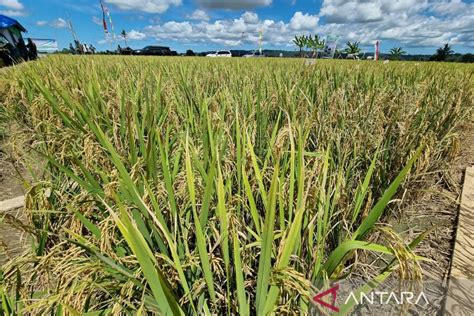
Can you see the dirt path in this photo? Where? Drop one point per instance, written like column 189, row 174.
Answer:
column 12, row 239
column 10, row 183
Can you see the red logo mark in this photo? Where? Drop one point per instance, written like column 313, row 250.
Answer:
column 333, row 292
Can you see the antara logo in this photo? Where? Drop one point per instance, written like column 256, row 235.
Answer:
column 333, row 292
column 374, row 298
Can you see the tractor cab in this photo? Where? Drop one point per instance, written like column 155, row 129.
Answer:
column 12, row 46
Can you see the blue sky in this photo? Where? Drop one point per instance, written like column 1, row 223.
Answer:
column 420, row 26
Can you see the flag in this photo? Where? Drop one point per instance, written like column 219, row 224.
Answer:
column 107, row 12
column 104, row 21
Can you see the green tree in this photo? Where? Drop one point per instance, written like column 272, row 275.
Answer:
column 467, row 58
column 315, row 43
column 442, row 53
column 396, row 53
column 353, row 48
column 300, row 42
column 308, row 42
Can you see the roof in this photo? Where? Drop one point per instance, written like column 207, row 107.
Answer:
column 6, row 22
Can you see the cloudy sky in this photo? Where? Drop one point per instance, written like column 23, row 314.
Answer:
column 417, row 25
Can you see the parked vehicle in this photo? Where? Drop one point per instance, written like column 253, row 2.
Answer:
column 220, row 53
column 353, row 56
column 254, row 54
column 154, row 51
column 125, row 51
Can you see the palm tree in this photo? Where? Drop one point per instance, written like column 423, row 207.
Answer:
column 442, row 53
column 308, row 42
column 396, row 53
column 353, row 48
column 319, row 43
column 315, row 44
column 300, row 42
column 124, row 36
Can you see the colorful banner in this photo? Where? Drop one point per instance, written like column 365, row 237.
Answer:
column 107, row 12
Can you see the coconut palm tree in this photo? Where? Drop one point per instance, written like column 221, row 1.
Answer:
column 353, row 48
column 308, row 42
column 396, row 53
column 315, row 43
column 300, row 42
column 442, row 53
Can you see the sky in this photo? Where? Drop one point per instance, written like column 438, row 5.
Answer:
column 419, row 26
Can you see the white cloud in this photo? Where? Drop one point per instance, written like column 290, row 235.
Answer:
column 301, row 22
column 11, row 4
column 149, row 6
column 199, row 15
column 452, row 7
column 234, row 4
column 408, row 23
column 412, row 23
column 97, row 21
column 12, row 13
column 134, row 35
column 244, row 30
column 336, row 11
column 12, row 8
column 358, row 11
column 58, row 23
column 250, row 18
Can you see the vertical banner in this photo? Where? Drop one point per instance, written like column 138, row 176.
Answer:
column 330, row 46
column 107, row 12
column 104, row 21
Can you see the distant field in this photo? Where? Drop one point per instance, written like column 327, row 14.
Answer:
column 234, row 186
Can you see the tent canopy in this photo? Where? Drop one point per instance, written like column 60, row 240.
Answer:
column 6, row 22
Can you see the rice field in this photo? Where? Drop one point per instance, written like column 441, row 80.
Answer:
column 183, row 186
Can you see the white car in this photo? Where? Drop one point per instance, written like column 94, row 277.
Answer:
column 255, row 54
column 220, row 53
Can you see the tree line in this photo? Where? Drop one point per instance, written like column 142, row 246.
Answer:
column 353, row 49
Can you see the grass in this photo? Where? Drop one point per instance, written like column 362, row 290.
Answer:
column 196, row 186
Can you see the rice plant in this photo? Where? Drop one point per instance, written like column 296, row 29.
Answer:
column 192, row 186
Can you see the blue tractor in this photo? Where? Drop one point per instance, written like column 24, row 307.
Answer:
column 12, row 46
